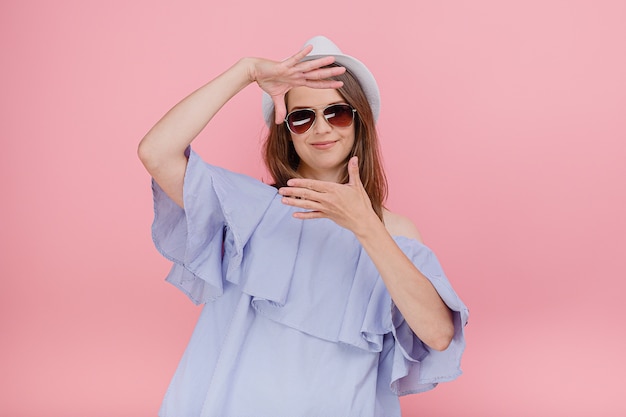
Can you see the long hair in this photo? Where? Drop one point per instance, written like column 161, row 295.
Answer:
column 282, row 160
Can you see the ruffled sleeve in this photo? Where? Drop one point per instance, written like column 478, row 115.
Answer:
column 416, row 367
column 218, row 203
column 344, row 300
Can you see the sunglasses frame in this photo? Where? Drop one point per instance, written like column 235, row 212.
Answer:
column 315, row 116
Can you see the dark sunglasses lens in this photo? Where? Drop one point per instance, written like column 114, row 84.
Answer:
column 300, row 120
column 339, row 115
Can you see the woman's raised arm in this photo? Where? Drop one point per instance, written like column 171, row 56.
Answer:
column 162, row 150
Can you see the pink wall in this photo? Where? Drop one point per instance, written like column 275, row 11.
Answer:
column 504, row 135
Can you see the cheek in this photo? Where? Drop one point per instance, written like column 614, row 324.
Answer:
column 352, row 137
column 297, row 144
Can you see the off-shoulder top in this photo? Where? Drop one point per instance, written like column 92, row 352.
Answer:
column 296, row 321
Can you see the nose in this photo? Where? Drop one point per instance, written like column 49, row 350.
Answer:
column 321, row 124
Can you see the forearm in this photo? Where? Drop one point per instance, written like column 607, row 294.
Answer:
column 412, row 293
column 171, row 135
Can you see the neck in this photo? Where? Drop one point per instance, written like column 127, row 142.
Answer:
column 321, row 175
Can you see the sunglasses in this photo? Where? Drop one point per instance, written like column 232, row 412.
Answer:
column 301, row 120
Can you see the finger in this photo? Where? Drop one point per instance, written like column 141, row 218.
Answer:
column 306, row 215
column 322, row 78
column 353, row 171
column 313, row 64
column 280, row 111
column 294, row 59
column 301, row 194
column 324, row 84
column 301, row 203
column 318, row 74
column 315, row 185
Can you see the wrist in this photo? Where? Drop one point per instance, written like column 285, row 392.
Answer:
column 370, row 228
column 248, row 66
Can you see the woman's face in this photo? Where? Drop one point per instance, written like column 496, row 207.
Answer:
column 324, row 148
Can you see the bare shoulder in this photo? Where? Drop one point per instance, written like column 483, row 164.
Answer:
column 398, row 225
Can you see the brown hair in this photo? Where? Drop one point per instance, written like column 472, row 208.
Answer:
column 282, row 160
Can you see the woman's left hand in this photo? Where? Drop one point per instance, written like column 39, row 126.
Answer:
column 348, row 205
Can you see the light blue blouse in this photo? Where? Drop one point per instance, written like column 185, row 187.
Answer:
column 296, row 320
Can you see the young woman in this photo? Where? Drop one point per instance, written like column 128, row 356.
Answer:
column 317, row 300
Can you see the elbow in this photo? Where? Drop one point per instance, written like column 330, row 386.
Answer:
column 436, row 334
column 437, row 339
column 155, row 154
column 441, row 343
column 441, row 339
column 150, row 156
column 145, row 154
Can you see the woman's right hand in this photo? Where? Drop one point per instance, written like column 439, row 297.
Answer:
column 277, row 78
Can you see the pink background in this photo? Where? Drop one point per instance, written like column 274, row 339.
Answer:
column 504, row 133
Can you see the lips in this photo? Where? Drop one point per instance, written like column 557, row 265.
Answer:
column 324, row 145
